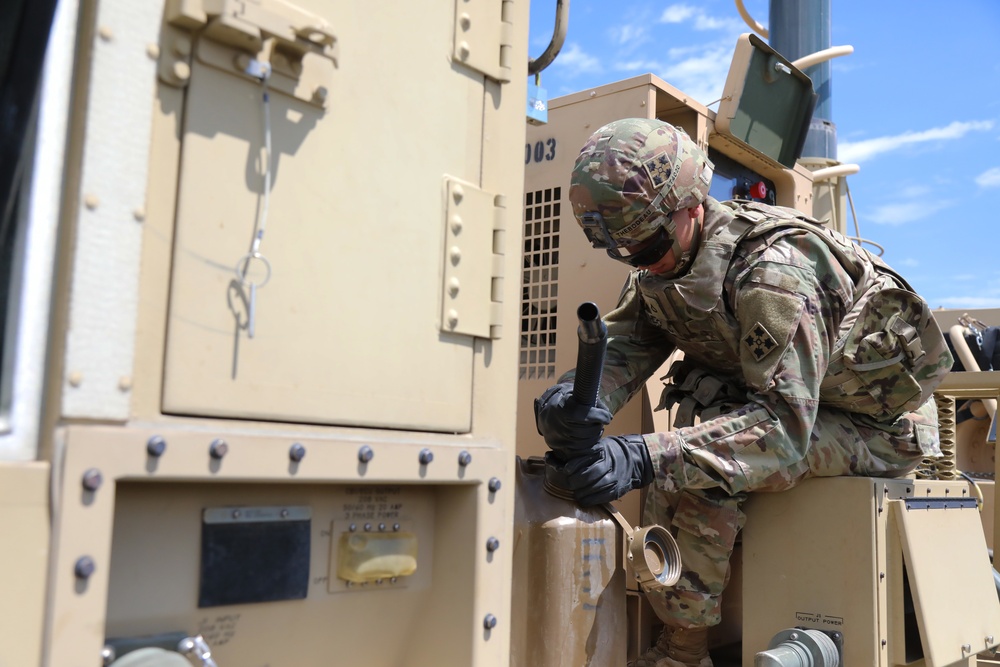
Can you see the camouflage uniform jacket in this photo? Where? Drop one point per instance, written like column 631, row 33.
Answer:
column 771, row 303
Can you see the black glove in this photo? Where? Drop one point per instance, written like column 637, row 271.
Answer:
column 565, row 424
column 611, row 468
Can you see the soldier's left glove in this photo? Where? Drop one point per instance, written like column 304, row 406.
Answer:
column 607, row 471
column 565, row 424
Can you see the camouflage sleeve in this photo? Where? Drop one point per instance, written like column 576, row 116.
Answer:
column 636, row 349
column 788, row 312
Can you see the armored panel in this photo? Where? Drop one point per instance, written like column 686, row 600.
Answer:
column 338, row 315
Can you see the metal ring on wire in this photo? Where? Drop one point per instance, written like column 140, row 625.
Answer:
column 244, row 263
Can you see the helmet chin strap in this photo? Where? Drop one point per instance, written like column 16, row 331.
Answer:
column 682, row 258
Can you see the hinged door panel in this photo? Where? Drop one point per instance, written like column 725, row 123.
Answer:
column 353, row 231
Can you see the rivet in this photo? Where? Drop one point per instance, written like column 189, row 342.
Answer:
column 181, row 70
column 395, row 527
column 284, row 514
column 155, row 446
column 218, row 449
column 75, row 379
column 456, row 224
column 365, row 454
column 989, row 639
column 465, row 21
column 392, row 580
column 494, row 485
column 457, row 193
column 84, row 567
column 105, row 33
column 91, row 201
column 139, row 214
column 453, row 286
column 368, row 528
column 426, row 456
column 237, row 514
column 381, row 527
column 452, row 318
column 124, row 383
column 297, row 452
column 92, row 479
column 464, row 458
column 182, row 46
column 378, row 582
column 153, row 51
column 456, row 254
column 966, row 648
column 492, row 544
column 353, row 527
column 320, row 93
column 463, row 50
column 490, row 622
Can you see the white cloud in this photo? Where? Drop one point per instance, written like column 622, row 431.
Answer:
column 858, row 151
column 909, row 262
column 700, row 20
column 630, row 35
column 576, row 61
column 900, row 213
column 702, row 76
column 989, row 178
column 678, row 13
column 968, row 301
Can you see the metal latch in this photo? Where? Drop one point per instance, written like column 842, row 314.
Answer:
column 483, row 36
column 475, row 230
column 299, row 48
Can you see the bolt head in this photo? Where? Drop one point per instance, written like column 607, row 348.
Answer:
column 492, row 544
column 494, row 485
column 155, row 446
column 365, row 454
column 464, row 458
column 490, row 622
column 84, row 567
column 92, row 479
column 218, row 448
column 297, row 452
column 426, row 456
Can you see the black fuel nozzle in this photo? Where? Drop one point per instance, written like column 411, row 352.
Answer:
column 590, row 354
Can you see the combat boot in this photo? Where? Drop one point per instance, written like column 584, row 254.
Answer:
column 677, row 647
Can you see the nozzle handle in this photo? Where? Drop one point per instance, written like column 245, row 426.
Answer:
column 590, row 355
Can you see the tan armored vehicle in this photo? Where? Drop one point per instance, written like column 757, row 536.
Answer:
column 271, row 273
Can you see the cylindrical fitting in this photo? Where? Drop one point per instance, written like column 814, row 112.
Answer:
column 426, row 456
column 297, row 452
column 464, row 458
column 365, row 454
column 490, row 622
column 492, row 544
column 494, row 485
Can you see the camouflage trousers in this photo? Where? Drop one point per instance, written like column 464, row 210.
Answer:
column 702, row 479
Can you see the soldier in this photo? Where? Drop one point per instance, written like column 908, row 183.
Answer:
column 804, row 355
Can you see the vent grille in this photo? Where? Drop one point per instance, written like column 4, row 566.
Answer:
column 540, row 284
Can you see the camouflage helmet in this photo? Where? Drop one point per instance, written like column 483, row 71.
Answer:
column 630, row 176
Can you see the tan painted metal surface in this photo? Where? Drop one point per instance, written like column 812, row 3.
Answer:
column 24, row 527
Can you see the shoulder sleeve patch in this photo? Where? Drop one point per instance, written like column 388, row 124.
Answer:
column 768, row 320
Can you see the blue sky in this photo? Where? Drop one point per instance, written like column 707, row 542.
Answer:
column 917, row 106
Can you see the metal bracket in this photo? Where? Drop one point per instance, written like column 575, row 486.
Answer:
column 300, row 49
column 483, row 37
column 473, row 273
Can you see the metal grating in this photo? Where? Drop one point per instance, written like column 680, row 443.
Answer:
column 540, row 284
